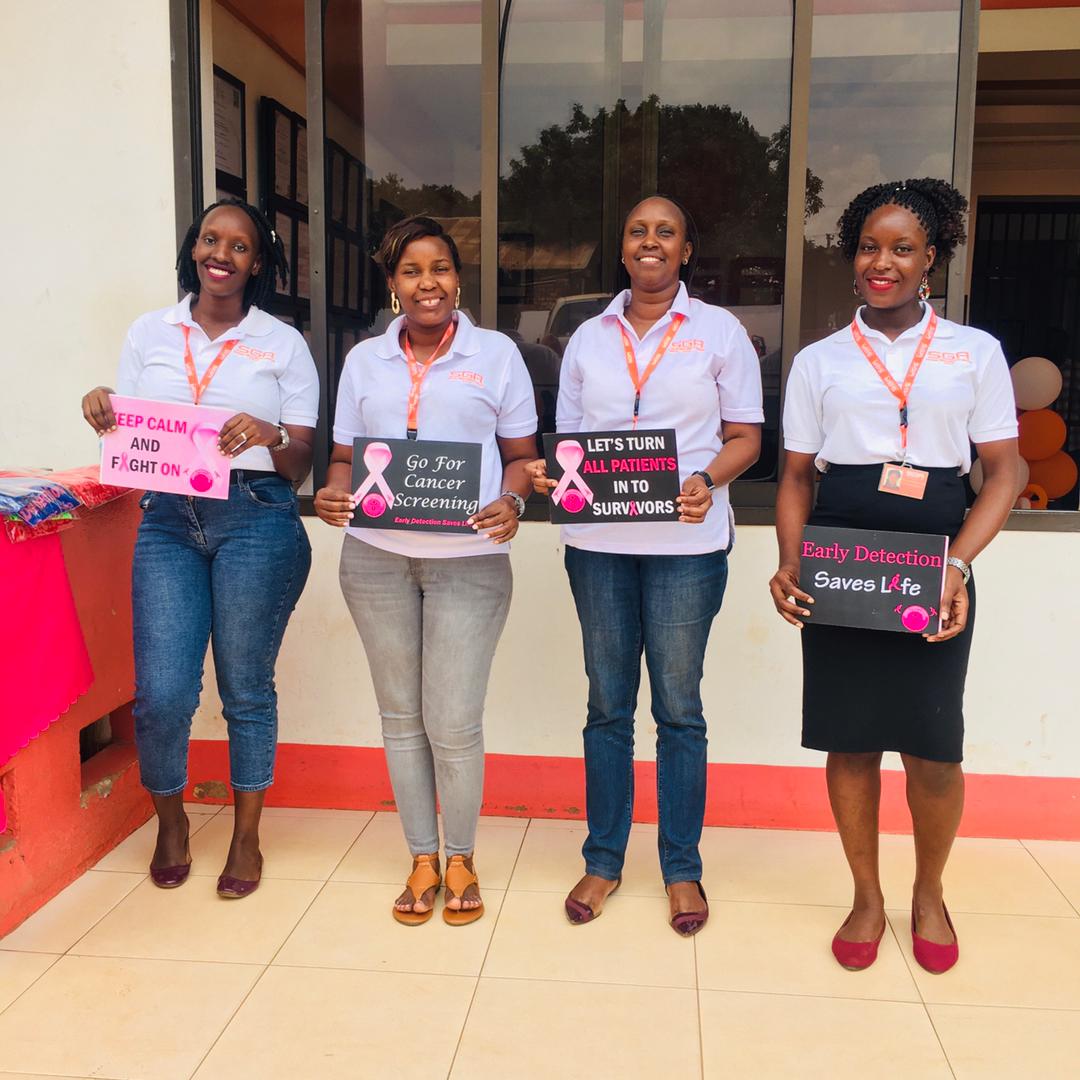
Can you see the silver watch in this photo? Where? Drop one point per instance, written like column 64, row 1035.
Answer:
column 519, row 502
column 284, row 444
column 963, row 567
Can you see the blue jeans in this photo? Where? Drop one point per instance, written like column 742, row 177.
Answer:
column 662, row 605
column 232, row 570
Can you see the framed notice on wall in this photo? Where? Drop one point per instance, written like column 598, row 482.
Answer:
column 230, row 134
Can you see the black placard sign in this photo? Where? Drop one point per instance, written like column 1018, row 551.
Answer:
column 613, row 476
column 874, row 580
column 422, row 486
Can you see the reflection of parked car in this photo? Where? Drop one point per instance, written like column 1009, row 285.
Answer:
column 570, row 312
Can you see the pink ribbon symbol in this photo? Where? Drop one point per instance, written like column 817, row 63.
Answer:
column 123, row 466
column 205, row 439
column 377, row 456
column 570, row 454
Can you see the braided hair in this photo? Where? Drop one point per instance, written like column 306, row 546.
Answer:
column 939, row 207
column 260, row 287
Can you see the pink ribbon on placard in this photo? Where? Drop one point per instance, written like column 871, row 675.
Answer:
column 570, row 454
column 205, row 439
column 377, row 456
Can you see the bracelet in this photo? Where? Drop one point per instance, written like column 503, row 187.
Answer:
column 519, row 502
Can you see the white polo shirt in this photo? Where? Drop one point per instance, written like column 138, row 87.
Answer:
column 476, row 392
column 710, row 373
column 269, row 374
column 837, row 408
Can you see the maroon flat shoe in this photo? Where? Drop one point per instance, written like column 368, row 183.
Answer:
column 932, row 957
column 234, row 888
column 688, row 923
column 856, row 955
column 579, row 913
column 171, row 877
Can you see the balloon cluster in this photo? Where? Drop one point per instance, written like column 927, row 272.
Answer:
column 1046, row 471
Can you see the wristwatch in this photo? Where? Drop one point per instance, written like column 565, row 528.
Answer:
column 963, row 567
column 710, row 483
column 519, row 502
column 284, row 444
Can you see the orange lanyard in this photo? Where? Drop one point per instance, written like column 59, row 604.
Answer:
column 198, row 386
column 418, row 372
column 901, row 393
column 631, row 360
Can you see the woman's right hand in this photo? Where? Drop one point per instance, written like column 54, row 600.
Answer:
column 335, row 506
column 97, row 410
column 537, row 473
column 783, row 585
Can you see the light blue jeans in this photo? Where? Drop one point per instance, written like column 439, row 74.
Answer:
column 429, row 628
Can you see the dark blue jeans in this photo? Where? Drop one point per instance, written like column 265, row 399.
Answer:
column 232, row 570
column 662, row 605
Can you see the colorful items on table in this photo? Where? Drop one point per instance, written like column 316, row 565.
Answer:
column 37, row 502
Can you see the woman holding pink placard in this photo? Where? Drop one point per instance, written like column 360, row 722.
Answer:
column 429, row 606
column 228, row 571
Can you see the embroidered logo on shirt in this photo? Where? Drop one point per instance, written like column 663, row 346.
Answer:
column 689, row 345
column 468, row 376
column 253, row 354
column 948, row 357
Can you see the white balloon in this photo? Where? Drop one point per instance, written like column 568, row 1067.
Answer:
column 975, row 477
column 1036, row 382
column 1024, row 476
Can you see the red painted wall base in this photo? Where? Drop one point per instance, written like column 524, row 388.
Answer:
column 752, row 796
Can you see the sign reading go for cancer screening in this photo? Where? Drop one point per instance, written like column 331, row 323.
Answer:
column 419, row 485
column 613, row 476
column 159, row 446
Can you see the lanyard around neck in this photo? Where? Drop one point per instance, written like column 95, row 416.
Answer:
column 639, row 381
column 417, row 374
column 901, row 393
column 198, row 386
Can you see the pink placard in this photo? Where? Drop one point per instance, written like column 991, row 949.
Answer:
column 164, row 447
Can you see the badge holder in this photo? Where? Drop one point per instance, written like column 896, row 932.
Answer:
column 903, row 479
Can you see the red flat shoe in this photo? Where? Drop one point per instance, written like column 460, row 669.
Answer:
column 172, row 877
column 579, row 913
column 688, row 923
column 234, row 888
column 856, row 955
column 932, row 957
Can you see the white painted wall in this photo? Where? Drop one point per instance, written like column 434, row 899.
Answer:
column 89, row 232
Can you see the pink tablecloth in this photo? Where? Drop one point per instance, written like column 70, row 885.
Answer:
column 44, row 665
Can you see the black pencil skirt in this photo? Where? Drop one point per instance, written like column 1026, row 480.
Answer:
column 871, row 690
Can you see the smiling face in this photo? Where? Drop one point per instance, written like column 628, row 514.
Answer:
column 226, row 252
column 891, row 258
column 654, row 244
column 426, row 282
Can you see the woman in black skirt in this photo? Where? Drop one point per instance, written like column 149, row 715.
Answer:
column 902, row 386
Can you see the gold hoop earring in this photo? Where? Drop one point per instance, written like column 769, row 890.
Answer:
column 457, row 299
column 924, row 288
column 855, row 287
column 395, row 304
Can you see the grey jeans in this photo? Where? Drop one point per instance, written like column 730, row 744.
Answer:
column 429, row 628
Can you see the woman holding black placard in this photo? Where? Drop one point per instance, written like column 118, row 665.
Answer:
column 655, row 359
column 899, row 385
column 430, row 607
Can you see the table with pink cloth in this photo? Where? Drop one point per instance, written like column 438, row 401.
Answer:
column 44, row 664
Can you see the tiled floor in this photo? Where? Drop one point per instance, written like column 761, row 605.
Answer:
column 310, row 979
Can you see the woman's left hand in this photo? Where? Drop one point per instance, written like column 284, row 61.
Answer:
column 498, row 520
column 695, row 500
column 954, row 607
column 241, row 432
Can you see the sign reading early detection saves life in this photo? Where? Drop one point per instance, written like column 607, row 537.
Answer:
column 414, row 484
column 613, row 476
column 874, row 580
column 159, row 446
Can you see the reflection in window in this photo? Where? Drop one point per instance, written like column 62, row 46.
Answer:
column 603, row 103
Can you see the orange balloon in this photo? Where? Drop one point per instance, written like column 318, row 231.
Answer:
column 1036, row 496
column 1056, row 474
column 1042, row 433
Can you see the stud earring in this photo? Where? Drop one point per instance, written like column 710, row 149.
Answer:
column 457, row 299
column 395, row 304
column 924, row 288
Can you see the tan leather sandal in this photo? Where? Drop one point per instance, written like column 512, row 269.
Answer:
column 458, row 878
column 424, row 876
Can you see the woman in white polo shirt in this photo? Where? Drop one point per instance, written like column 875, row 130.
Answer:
column 429, row 606
column 655, row 587
column 899, row 385
column 226, row 570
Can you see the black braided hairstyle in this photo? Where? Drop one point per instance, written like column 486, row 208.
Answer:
column 939, row 207
column 260, row 287
column 686, row 273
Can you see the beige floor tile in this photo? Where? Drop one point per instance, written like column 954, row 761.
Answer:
column 774, row 1037
column 343, row 1025
column 557, row 822
column 36, row 1076
column 380, row 854
column 299, row 848
column 350, row 926
column 207, row 809
column 1061, row 860
column 17, row 972
column 129, row 1019
column 630, row 944
column 194, row 923
column 1003, row 1044
column 133, row 855
column 785, row 949
column 996, row 877
column 362, row 816
column 577, row 1032
column 1013, row 960
column 68, row 915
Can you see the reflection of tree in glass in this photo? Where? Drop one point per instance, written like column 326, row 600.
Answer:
column 392, row 201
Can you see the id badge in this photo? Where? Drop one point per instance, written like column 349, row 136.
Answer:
column 903, row 480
